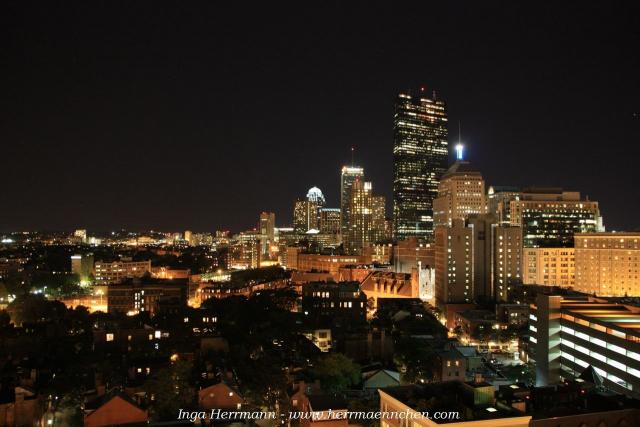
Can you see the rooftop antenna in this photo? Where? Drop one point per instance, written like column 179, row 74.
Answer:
column 353, row 149
column 459, row 147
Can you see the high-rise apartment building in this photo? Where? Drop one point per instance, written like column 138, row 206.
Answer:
column 550, row 217
column 476, row 258
column 570, row 334
column 548, row 266
column 607, row 264
column 420, row 157
column 505, row 259
column 454, row 264
column 348, row 176
column 460, row 194
column 378, row 225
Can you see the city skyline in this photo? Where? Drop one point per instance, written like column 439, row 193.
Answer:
column 153, row 110
column 373, row 214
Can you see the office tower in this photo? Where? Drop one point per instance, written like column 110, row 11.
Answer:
column 366, row 222
column 305, row 216
column 476, row 259
column 315, row 195
column 188, row 237
column 548, row 266
column 360, row 217
column 460, row 194
column 82, row 265
column 348, row 176
column 549, row 217
column 330, row 220
column 608, row 264
column 569, row 334
column 498, row 202
column 420, row 157
column 266, row 227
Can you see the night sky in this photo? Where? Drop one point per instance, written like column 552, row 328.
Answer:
column 198, row 116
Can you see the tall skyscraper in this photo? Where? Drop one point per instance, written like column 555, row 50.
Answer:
column 349, row 175
column 420, row 157
column 315, row 195
column 360, row 217
column 266, row 227
column 366, row 218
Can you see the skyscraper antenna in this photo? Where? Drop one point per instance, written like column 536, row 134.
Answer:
column 352, row 152
column 459, row 147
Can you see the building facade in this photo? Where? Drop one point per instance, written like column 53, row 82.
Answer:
column 550, row 217
column 569, row 334
column 608, row 264
column 548, row 266
column 117, row 271
column 499, row 202
column 420, row 157
column 476, row 259
column 305, row 216
column 82, row 265
column 460, row 194
column 330, row 221
column 348, row 176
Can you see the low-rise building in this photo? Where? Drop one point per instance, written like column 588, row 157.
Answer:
column 115, row 272
column 333, row 304
column 135, row 296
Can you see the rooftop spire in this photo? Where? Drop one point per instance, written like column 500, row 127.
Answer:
column 459, row 146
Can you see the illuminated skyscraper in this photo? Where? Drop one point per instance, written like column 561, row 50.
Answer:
column 360, row 217
column 420, row 157
column 266, row 227
column 315, row 195
column 305, row 216
column 366, row 218
column 347, row 178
